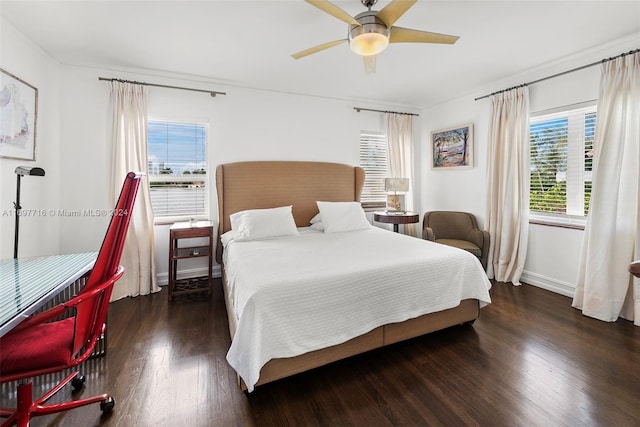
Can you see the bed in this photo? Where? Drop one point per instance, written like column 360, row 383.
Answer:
column 313, row 296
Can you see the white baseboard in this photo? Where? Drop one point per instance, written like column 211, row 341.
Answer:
column 563, row 288
column 163, row 278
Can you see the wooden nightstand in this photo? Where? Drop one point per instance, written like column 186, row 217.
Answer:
column 396, row 218
column 188, row 230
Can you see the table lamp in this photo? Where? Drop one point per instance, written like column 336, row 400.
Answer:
column 395, row 201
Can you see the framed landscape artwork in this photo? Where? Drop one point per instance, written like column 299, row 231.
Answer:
column 18, row 113
column 452, row 147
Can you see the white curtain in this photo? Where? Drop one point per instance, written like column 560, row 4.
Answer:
column 129, row 153
column 399, row 140
column 606, row 290
column 508, row 184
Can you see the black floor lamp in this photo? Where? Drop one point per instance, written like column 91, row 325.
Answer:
column 20, row 172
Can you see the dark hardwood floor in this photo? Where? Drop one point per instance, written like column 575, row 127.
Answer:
column 530, row 360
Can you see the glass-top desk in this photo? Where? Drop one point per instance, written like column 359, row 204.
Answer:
column 26, row 284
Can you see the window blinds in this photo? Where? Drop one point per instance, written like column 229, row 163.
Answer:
column 178, row 174
column 561, row 150
column 374, row 160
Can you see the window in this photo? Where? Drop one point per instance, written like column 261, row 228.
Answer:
column 374, row 160
column 178, row 174
column 561, row 150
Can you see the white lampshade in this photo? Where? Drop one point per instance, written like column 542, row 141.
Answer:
column 396, row 184
column 369, row 38
column 369, row 44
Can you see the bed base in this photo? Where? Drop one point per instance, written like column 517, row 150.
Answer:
column 275, row 369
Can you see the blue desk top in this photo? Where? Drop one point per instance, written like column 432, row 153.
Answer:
column 26, row 284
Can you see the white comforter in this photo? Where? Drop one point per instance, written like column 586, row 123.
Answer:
column 293, row 295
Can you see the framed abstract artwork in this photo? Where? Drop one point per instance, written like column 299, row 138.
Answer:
column 452, row 147
column 18, row 115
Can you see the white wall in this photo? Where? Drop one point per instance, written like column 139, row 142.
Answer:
column 85, row 159
column 455, row 189
column 246, row 124
column 553, row 253
column 39, row 234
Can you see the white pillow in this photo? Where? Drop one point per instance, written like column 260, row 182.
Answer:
column 342, row 216
column 227, row 237
column 318, row 226
column 317, row 218
column 316, row 223
column 257, row 224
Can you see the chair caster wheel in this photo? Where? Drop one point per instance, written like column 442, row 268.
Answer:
column 106, row 406
column 78, row 382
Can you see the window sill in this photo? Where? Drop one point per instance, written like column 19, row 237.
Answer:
column 173, row 219
column 573, row 223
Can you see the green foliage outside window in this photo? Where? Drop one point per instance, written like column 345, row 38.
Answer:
column 548, row 147
column 549, row 153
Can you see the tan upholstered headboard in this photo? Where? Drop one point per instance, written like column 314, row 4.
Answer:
column 270, row 184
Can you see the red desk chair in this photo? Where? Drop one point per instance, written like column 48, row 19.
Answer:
column 43, row 344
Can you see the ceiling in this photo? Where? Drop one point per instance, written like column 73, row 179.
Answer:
column 249, row 43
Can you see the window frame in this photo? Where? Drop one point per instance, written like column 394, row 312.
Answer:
column 565, row 220
column 374, row 175
column 170, row 219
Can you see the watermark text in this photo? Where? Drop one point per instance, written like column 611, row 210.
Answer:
column 64, row 212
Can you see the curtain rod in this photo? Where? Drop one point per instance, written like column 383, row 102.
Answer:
column 358, row 109
column 213, row 93
column 562, row 73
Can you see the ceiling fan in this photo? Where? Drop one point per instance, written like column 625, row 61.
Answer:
column 370, row 32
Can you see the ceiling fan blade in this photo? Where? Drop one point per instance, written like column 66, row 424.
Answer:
column 407, row 35
column 369, row 64
column 394, row 10
column 333, row 10
column 317, row 49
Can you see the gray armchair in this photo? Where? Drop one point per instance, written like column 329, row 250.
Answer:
column 459, row 229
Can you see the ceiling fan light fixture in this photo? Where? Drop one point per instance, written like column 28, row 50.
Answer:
column 369, row 38
column 369, row 43
column 370, row 32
